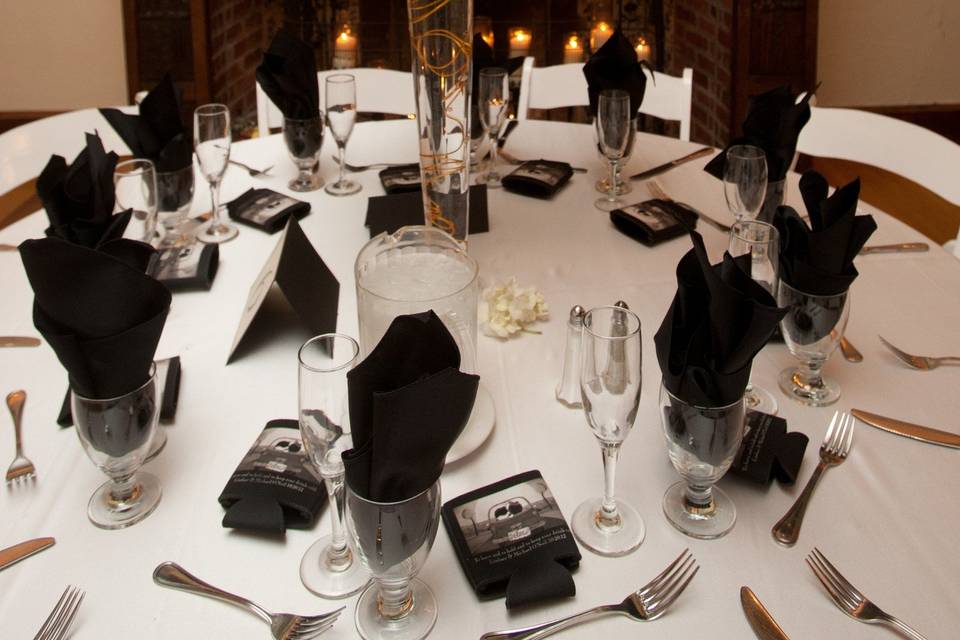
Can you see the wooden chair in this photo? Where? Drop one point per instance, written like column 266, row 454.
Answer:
column 563, row 85
column 378, row 91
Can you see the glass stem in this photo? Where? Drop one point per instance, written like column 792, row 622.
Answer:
column 698, row 499
column 124, row 490
column 494, row 151
column 342, row 148
column 339, row 557
column 215, row 204
column 608, row 518
column 810, row 374
column 612, row 195
column 394, row 599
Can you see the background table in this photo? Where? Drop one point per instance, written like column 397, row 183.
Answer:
column 887, row 517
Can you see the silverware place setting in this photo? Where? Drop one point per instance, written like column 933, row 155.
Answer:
column 924, row 363
column 647, row 603
column 908, row 429
column 12, row 555
column 900, row 247
column 850, row 600
column 356, row 168
column 850, row 352
column 254, row 173
column 657, row 192
column 19, row 341
column 759, row 618
column 672, row 164
column 833, row 451
column 283, row 626
column 57, row 625
column 21, row 469
column 8, row 247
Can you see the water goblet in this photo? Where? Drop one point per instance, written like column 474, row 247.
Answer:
column 745, row 180
column 812, row 330
column 303, row 138
column 328, row 568
column 135, row 188
column 623, row 187
column 340, row 96
column 610, row 390
column 761, row 242
column 175, row 194
column 393, row 540
column 615, row 135
column 492, row 102
column 211, row 142
column 117, row 435
column 701, row 443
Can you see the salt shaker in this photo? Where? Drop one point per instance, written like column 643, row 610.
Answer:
column 568, row 391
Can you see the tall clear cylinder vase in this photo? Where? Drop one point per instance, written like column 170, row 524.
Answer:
column 440, row 35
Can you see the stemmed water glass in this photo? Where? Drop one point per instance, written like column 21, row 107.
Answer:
column 492, row 103
column 615, row 134
column 303, row 138
column 745, row 180
column 610, row 389
column 135, row 188
column 340, row 91
column 761, row 242
column 328, row 568
column 211, row 142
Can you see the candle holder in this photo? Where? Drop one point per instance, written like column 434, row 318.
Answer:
column 599, row 35
column 345, row 49
column 520, row 39
column 573, row 49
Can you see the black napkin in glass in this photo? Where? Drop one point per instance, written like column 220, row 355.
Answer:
column 615, row 66
column 483, row 57
column 99, row 311
column 408, row 404
column 718, row 321
column 818, row 259
column 288, row 75
column 157, row 133
column 773, row 123
column 79, row 197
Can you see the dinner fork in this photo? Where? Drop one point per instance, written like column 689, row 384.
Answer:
column 920, row 362
column 21, row 469
column 849, row 599
column 649, row 602
column 657, row 192
column 511, row 159
column 254, row 173
column 833, row 451
column 57, row 624
column 283, row 626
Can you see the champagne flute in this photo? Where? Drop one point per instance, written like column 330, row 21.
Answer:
column 492, row 103
column 341, row 99
column 615, row 134
column 211, row 142
column 745, row 180
column 135, row 188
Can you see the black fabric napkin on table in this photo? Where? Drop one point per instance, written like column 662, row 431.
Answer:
column 390, row 212
column 288, row 75
column 98, row 310
column 768, row 451
column 79, row 197
column 773, row 123
column 615, row 66
column 818, row 259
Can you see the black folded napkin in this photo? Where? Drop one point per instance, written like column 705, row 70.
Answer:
column 538, row 178
column 157, row 132
column 719, row 319
column 408, row 404
column 483, row 57
column 266, row 209
column 653, row 221
column 99, row 311
column 768, row 451
column 288, row 75
column 615, row 66
column 773, row 123
column 818, row 259
column 389, row 213
column 79, row 197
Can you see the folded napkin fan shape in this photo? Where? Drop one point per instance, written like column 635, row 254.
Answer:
column 408, row 403
column 288, row 75
column 615, row 66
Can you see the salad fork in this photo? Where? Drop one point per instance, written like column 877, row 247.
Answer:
column 649, row 602
column 833, row 451
column 21, row 469
column 254, row 173
column 920, row 362
column 57, row 624
column 849, row 599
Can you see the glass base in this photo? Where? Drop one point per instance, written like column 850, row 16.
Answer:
column 306, row 182
column 759, row 399
column 325, row 581
column 606, row 204
column 603, row 186
column 491, row 179
column 792, row 384
column 213, row 232
column 343, row 188
column 415, row 625
column 617, row 540
column 159, row 442
column 107, row 515
column 699, row 523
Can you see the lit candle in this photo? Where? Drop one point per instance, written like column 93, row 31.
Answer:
column 643, row 49
column 519, row 43
column 573, row 50
column 599, row 35
column 484, row 26
column 345, row 50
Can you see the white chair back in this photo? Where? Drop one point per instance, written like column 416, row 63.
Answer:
column 563, row 85
column 378, row 91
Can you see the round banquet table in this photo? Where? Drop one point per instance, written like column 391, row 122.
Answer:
column 887, row 517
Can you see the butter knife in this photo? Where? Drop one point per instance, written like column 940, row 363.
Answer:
column 909, row 430
column 759, row 618
column 663, row 168
column 19, row 341
column 18, row 552
column 8, row 247
column 917, row 247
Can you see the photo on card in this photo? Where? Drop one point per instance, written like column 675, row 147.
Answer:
column 266, row 206
column 651, row 214
column 550, row 175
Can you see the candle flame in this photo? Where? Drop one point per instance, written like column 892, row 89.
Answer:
column 573, row 42
column 603, row 26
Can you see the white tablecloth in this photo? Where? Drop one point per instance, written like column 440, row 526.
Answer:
column 888, row 517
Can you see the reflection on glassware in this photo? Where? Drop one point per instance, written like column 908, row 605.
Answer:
column 812, row 330
column 761, row 242
column 492, row 104
column 174, row 195
column 610, row 385
column 701, row 442
column 745, row 180
column 614, row 134
column 303, row 139
column 393, row 540
column 117, row 434
column 340, row 96
column 211, row 142
column 135, row 187
column 328, row 568
column 623, row 186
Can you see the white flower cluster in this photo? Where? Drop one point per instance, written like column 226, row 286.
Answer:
column 506, row 309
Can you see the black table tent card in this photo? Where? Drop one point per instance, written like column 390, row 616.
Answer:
column 768, row 451
column 653, row 221
column 190, row 267
column 389, row 213
column 266, row 209
column 306, row 282
column 511, row 539
column 538, row 178
column 275, row 487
